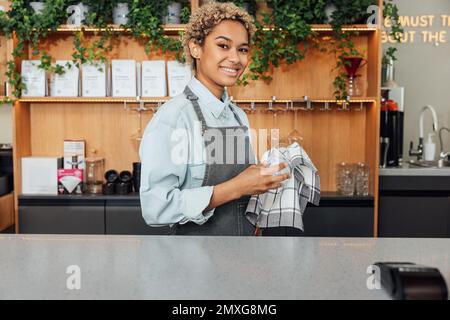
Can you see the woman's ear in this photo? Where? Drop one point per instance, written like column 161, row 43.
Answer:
column 195, row 49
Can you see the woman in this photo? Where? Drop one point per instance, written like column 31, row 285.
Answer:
column 198, row 167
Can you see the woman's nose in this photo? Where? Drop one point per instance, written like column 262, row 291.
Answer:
column 233, row 56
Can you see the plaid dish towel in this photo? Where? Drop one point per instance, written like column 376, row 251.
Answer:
column 284, row 207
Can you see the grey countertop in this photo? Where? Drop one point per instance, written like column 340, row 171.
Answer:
column 406, row 170
column 165, row 267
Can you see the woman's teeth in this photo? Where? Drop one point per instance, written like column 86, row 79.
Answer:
column 229, row 70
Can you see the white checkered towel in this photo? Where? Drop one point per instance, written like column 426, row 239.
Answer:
column 284, row 207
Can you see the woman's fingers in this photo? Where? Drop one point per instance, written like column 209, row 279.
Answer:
column 275, row 185
column 280, row 178
column 273, row 169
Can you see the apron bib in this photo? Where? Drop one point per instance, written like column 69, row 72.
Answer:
column 229, row 218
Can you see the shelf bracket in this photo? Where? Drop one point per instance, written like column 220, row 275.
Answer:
column 345, row 104
column 326, row 106
column 274, row 99
column 361, row 106
column 309, row 106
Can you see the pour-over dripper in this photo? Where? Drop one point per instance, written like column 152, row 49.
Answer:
column 352, row 65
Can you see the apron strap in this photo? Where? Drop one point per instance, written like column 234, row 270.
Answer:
column 194, row 100
column 237, row 117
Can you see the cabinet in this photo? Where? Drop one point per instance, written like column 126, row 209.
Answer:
column 72, row 214
column 125, row 217
column 61, row 216
column 335, row 217
column 414, row 206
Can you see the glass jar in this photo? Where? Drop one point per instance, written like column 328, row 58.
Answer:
column 94, row 174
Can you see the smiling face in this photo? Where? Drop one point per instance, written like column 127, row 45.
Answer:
column 223, row 56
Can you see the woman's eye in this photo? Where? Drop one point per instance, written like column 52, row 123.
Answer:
column 244, row 50
column 223, row 46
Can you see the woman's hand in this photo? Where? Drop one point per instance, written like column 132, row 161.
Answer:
column 259, row 178
column 255, row 179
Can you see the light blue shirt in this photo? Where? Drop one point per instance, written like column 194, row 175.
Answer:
column 171, row 169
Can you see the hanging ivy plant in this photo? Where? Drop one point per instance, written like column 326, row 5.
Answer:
column 146, row 22
column 390, row 11
column 29, row 27
column 282, row 36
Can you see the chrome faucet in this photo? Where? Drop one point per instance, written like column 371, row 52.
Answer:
column 443, row 155
column 419, row 151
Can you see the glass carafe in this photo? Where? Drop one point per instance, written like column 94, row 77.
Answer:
column 94, row 175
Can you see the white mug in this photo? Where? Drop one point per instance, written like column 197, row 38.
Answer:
column 120, row 13
column 79, row 13
column 38, row 7
column 173, row 13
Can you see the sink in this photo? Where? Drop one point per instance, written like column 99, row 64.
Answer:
column 429, row 164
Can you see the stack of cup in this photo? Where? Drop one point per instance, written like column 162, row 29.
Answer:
column 353, row 179
column 136, row 176
column 118, row 183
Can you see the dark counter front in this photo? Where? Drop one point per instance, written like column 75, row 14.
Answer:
column 337, row 216
column 414, row 206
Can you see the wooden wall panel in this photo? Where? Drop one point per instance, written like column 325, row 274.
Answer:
column 311, row 77
column 60, row 47
column 329, row 136
column 6, row 211
column 108, row 130
column 3, row 67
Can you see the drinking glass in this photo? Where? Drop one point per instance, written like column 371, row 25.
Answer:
column 294, row 135
column 345, row 179
column 362, row 177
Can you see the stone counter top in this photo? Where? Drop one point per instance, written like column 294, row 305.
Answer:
column 176, row 267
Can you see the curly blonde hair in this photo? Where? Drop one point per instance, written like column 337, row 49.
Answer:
column 205, row 18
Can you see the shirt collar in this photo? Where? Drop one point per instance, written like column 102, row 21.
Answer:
column 210, row 100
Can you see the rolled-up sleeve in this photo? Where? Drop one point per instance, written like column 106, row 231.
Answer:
column 164, row 162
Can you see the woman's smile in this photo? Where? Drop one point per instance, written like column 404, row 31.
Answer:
column 231, row 72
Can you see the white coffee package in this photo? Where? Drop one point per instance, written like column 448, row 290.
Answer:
column 179, row 76
column 40, row 175
column 154, row 78
column 123, row 78
column 33, row 78
column 93, row 81
column 66, row 84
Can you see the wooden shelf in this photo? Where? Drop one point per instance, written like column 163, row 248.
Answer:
column 164, row 99
column 356, row 100
column 356, row 27
column 176, row 28
column 90, row 100
column 169, row 28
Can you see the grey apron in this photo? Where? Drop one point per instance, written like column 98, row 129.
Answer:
column 229, row 218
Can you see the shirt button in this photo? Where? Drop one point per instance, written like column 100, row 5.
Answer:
column 224, row 115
